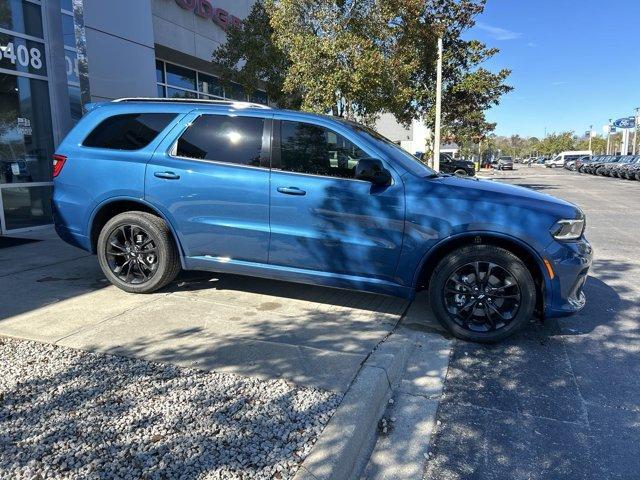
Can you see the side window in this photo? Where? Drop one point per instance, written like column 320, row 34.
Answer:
column 223, row 139
column 307, row 148
column 128, row 132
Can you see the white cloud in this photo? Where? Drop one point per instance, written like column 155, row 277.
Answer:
column 498, row 33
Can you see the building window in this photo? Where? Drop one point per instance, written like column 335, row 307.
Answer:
column 175, row 81
column 71, row 60
column 26, row 134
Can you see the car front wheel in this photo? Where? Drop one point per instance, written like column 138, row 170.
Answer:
column 482, row 293
column 137, row 253
column 460, row 172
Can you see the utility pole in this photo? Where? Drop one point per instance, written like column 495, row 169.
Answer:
column 436, row 142
column 635, row 133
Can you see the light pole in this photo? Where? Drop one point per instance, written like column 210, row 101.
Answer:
column 590, row 136
column 608, row 136
column 635, row 133
column 436, row 140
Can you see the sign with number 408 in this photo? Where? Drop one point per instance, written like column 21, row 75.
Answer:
column 22, row 55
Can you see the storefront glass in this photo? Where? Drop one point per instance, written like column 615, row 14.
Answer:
column 26, row 135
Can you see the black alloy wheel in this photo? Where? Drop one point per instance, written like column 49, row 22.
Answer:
column 137, row 252
column 482, row 296
column 131, row 254
column 482, row 293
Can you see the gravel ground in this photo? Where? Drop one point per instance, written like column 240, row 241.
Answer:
column 70, row 414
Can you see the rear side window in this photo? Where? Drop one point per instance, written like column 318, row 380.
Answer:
column 128, row 132
column 225, row 139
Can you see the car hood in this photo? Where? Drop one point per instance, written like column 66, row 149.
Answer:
column 504, row 194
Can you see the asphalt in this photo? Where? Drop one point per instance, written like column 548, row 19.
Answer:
column 561, row 400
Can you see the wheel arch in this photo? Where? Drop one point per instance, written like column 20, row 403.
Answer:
column 116, row 206
column 524, row 252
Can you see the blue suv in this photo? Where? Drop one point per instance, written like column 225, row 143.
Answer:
column 155, row 186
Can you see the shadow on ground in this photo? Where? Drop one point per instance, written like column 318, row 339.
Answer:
column 556, row 401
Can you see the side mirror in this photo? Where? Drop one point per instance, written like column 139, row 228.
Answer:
column 372, row 170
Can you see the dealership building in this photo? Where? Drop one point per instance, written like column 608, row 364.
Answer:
column 57, row 55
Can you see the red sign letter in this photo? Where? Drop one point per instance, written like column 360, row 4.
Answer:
column 221, row 17
column 187, row 4
column 204, row 9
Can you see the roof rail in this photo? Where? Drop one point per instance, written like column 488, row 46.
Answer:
column 239, row 104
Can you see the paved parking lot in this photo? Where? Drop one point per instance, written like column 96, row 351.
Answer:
column 562, row 399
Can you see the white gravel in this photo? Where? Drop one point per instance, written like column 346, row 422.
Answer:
column 71, row 414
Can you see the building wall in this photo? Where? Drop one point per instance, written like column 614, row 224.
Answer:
column 180, row 29
column 120, row 48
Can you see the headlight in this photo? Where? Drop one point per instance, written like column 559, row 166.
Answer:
column 568, row 229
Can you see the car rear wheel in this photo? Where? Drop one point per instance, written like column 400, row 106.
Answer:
column 137, row 253
column 482, row 293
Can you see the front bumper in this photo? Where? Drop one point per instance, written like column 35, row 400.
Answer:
column 570, row 262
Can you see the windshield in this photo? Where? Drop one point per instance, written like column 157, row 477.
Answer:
column 398, row 154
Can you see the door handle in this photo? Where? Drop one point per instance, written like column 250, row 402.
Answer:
column 167, row 175
column 291, row 191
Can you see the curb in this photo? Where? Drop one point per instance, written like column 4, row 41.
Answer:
column 354, row 424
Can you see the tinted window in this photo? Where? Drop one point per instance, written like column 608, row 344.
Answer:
column 128, row 132
column 223, row 139
column 315, row 150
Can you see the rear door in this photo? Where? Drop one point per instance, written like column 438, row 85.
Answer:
column 212, row 182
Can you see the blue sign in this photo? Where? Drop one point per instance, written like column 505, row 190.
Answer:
column 629, row 122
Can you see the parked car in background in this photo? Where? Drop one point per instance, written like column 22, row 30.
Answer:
column 582, row 162
column 505, row 163
column 560, row 159
column 456, row 166
column 619, row 169
column 605, row 165
column 572, row 164
column 154, row 186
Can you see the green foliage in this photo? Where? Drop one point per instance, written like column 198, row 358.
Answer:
column 352, row 58
column 360, row 58
column 251, row 58
column 468, row 88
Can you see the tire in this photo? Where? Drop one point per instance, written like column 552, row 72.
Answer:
column 460, row 172
column 518, row 310
column 161, row 259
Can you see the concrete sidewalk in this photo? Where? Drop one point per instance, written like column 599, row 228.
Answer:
column 310, row 335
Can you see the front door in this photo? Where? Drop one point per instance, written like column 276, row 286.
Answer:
column 322, row 218
column 213, row 185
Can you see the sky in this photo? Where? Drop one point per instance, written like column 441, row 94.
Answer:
column 574, row 63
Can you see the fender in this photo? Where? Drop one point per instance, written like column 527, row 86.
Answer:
column 148, row 205
column 491, row 234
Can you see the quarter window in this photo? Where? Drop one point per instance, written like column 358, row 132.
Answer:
column 222, row 138
column 315, row 150
column 128, row 132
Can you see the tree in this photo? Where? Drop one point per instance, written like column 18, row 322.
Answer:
column 468, row 88
column 351, row 58
column 598, row 145
column 251, row 58
column 557, row 142
column 359, row 58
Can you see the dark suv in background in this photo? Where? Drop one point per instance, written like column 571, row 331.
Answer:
column 505, row 163
column 455, row 166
